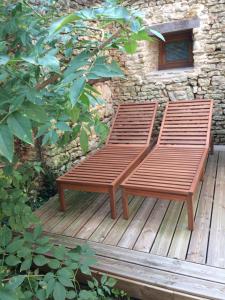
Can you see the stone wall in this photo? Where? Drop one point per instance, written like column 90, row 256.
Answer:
column 145, row 83
column 205, row 80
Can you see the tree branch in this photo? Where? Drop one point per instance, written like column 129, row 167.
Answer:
column 46, row 82
column 55, row 77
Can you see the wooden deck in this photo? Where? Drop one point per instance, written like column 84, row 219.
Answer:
column 153, row 254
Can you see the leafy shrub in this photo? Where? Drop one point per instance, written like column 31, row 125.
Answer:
column 22, row 273
column 46, row 72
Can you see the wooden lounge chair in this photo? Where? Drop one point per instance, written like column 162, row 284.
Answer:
column 175, row 166
column 127, row 145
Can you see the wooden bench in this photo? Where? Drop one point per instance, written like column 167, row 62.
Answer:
column 174, row 168
column 128, row 143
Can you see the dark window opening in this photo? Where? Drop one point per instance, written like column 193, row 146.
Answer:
column 176, row 51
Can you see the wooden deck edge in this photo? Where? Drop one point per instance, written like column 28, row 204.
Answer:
column 219, row 147
column 143, row 291
column 146, row 279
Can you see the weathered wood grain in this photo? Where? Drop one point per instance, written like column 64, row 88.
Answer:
column 130, row 236
column 121, row 225
column 78, row 223
column 199, row 239
column 93, row 223
column 216, row 255
column 172, row 274
column 165, row 234
column 150, row 230
column 179, row 245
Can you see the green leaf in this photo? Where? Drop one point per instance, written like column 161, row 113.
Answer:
column 77, row 89
column 65, row 281
column 71, row 295
column 59, row 292
column 88, row 295
column 65, row 272
column 103, row 279
column 63, row 126
column 85, row 269
column 103, row 69
column 15, row 246
column 43, row 249
column 50, row 286
column 130, row 46
column 49, row 61
column 42, row 241
column 84, row 140
column 4, row 59
column 135, row 25
column 5, row 236
column 158, row 34
column 12, row 260
column 78, row 61
column 59, row 252
column 142, row 36
column 50, row 137
column 54, row 264
column 16, row 281
column 24, row 252
column 35, row 112
column 7, row 294
column 102, row 131
column 37, row 232
column 41, row 294
column 6, row 142
column 74, row 113
column 26, row 264
column 30, row 59
column 40, row 260
column 91, row 285
column 56, row 26
column 20, row 127
column 111, row 282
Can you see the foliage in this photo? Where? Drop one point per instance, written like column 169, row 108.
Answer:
column 46, row 69
column 46, row 75
column 30, row 254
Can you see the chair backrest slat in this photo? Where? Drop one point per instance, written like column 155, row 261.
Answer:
column 133, row 124
column 186, row 123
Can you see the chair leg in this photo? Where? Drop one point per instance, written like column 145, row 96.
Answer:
column 112, row 193
column 211, row 145
column 190, row 213
column 61, row 197
column 202, row 173
column 125, row 205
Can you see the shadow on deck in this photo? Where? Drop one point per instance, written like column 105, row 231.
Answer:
column 153, row 254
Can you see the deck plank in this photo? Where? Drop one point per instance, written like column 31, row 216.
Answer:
column 199, row 239
column 179, row 261
column 71, row 215
column 53, row 204
column 216, row 256
column 53, row 207
column 176, row 275
column 149, row 232
column 74, row 209
column 95, row 221
column 181, row 238
column 121, row 225
column 103, row 229
column 131, row 234
column 76, row 226
column 163, row 240
column 194, row 270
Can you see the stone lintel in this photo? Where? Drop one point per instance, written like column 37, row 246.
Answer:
column 176, row 26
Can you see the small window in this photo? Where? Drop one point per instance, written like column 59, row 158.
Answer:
column 176, row 51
